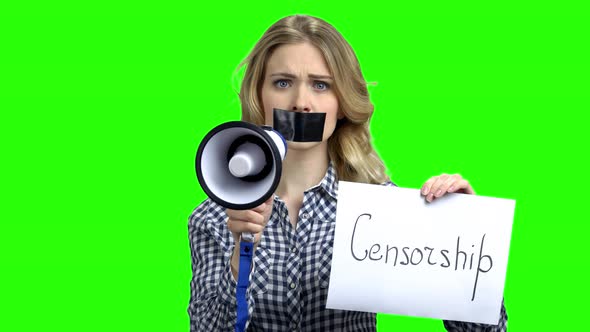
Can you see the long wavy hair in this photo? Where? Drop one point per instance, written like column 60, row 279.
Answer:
column 349, row 147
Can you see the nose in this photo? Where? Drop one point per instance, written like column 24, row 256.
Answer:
column 301, row 100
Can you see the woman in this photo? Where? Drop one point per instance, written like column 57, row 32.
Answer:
column 300, row 64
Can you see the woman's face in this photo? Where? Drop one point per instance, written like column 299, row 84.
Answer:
column 297, row 79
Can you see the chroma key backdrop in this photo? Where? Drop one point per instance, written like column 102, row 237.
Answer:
column 103, row 105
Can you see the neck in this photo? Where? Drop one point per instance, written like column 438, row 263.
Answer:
column 302, row 169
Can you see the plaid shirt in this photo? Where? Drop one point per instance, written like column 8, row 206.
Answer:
column 290, row 275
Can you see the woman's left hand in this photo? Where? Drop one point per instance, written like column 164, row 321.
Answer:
column 438, row 186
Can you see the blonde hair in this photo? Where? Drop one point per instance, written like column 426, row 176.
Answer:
column 349, row 147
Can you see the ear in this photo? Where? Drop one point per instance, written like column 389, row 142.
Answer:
column 340, row 114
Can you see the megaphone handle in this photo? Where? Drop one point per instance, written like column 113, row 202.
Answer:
column 246, row 252
column 247, row 237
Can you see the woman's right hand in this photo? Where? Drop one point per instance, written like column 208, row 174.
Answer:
column 251, row 221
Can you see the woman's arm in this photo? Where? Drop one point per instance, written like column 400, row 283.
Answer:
column 455, row 326
column 212, row 305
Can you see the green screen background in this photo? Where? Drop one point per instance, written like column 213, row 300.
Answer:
column 102, row 108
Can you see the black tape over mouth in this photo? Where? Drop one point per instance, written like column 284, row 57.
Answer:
column 299, row 126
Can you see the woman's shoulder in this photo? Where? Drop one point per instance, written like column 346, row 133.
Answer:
column 208, row 221
column 389, row 183
column 208, row 213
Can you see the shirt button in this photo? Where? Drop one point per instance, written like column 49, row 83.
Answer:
column 293, row 286
column 305, row 216
column 294, row 249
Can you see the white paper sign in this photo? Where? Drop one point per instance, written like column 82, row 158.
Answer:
column 396, row 253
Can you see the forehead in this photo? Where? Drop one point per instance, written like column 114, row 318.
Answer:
column 298, row 58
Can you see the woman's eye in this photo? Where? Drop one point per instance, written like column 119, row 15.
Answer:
column 321, row 85
column 281, row 84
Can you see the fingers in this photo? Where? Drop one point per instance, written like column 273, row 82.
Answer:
column 240, row 226
column 264, row 206
column 249, row 216
column 432, row 188
column 446, row 183
column 438, row 186
column 250, row 221
column 461, row 186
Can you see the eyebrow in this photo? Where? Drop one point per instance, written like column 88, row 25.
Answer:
column 314, row 76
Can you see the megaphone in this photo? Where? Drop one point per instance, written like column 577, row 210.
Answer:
column 239, row 164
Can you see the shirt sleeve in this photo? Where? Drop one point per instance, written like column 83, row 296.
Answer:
column 212, row 305
column 456, row 326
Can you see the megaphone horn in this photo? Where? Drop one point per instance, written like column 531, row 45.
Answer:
column 239, row 164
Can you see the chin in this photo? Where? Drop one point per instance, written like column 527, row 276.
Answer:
column 302, row 146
